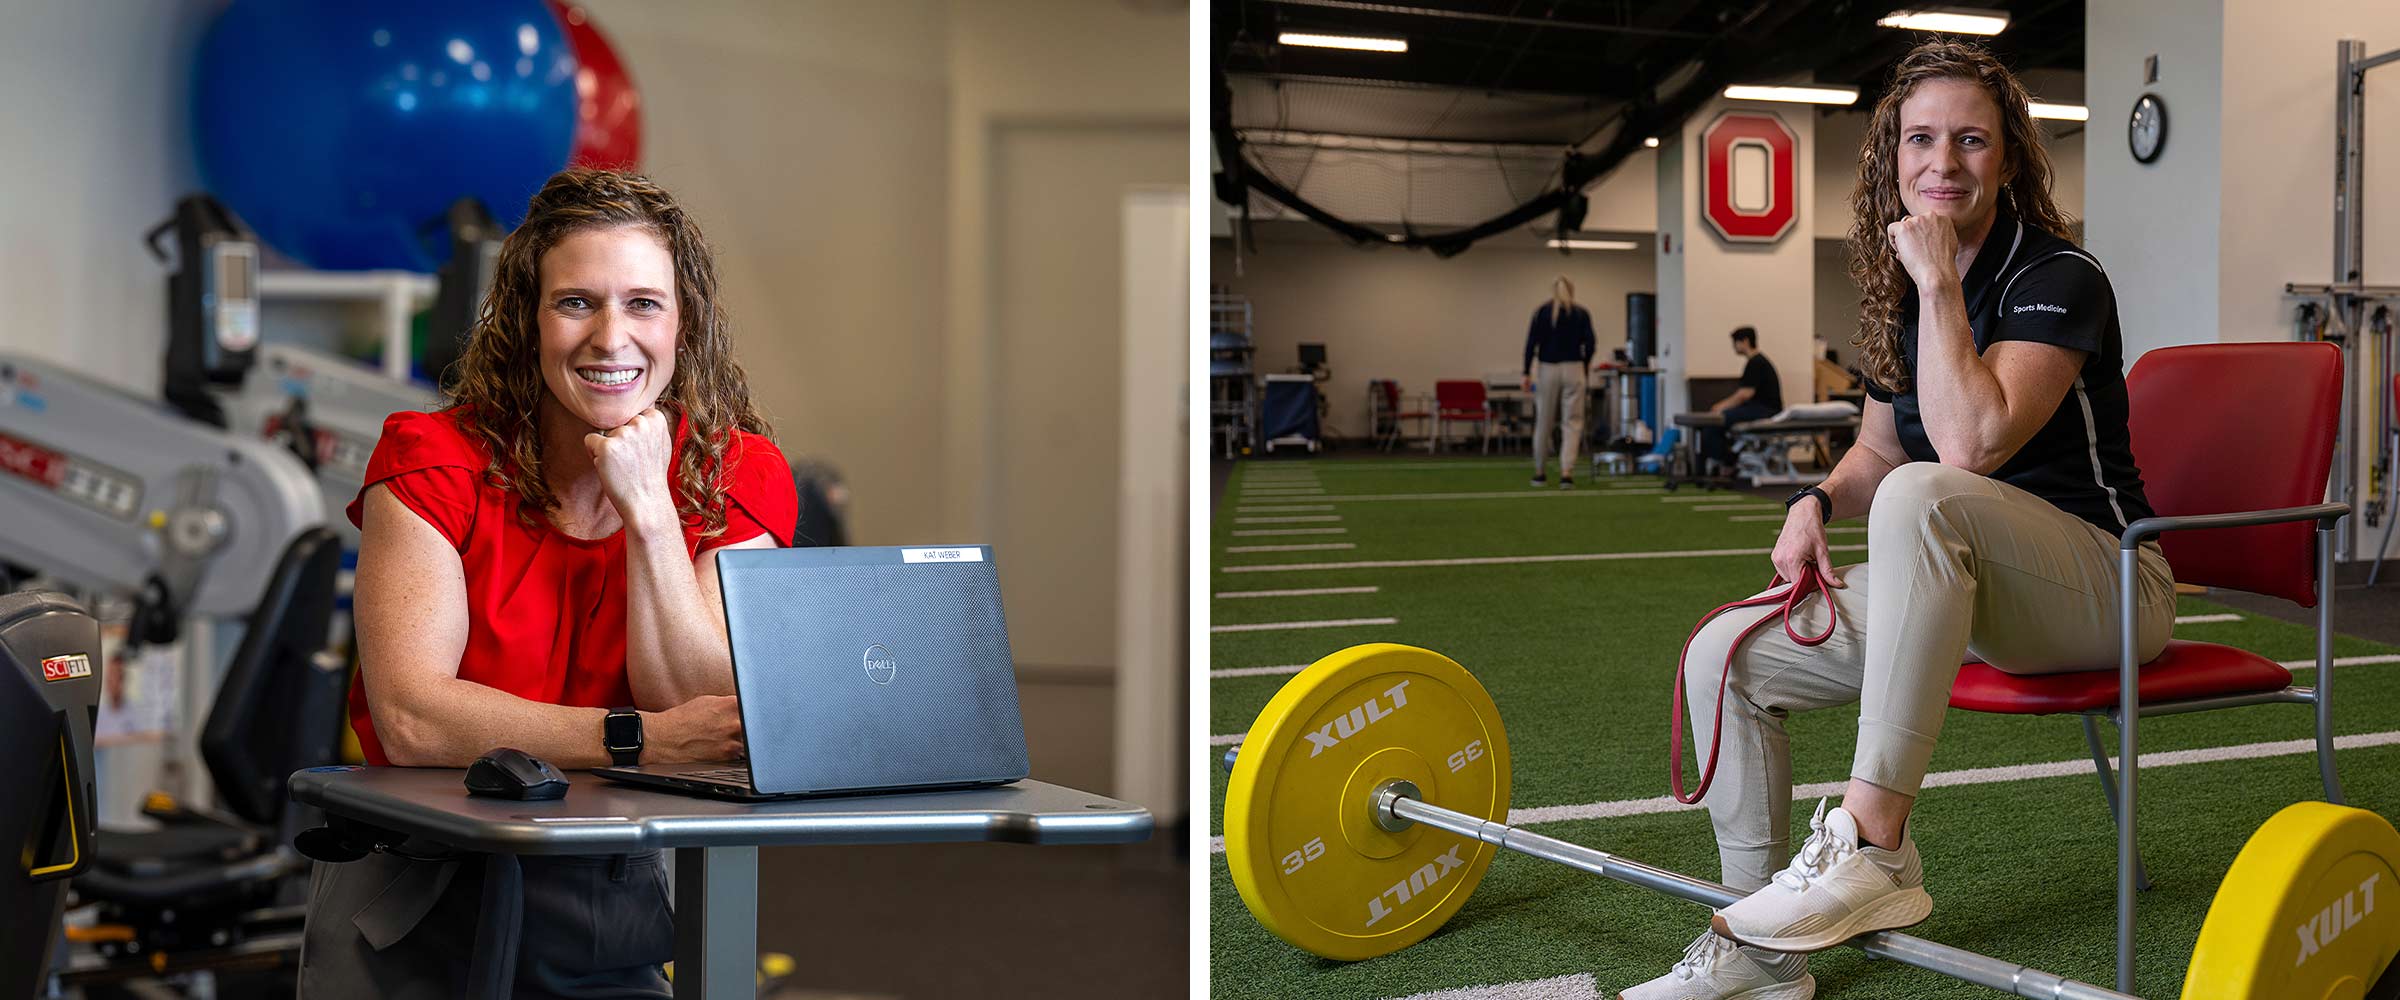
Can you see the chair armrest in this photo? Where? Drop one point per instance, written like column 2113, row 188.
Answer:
column 2148, row 526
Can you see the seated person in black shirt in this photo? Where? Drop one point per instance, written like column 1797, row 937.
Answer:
column 1760, row 396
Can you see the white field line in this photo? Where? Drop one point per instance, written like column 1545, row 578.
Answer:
column 1282, row 484
column 1322, row 547
column 2205, row 619
column 1428, row 464
column 1510, row 560
column 1970, row 776
column 1756, row 517
column 1289, row 626
column 1516, row 494
column 1288, row 520
column 1282, row 510
column 1227, row 595
column 2340, row 661
column 1263, row 532
column 1846, row 529
column 1579, row 986
column 1291, row 668
column 1737, row 506
column 1283, row 491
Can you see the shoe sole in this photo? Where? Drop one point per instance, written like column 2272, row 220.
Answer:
column 1904, row 908
column 1803, row 988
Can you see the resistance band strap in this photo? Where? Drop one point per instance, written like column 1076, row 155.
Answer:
column 1790, row 598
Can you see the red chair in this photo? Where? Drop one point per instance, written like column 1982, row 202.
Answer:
column 1384, row 414
column 2235, row 439
column 1460, row 401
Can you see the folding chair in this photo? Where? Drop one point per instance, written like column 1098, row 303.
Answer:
column 1384, row 414
column 1460, row 400
column 2232, row 437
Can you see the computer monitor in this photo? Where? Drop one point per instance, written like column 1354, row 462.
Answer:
column 1312, row 357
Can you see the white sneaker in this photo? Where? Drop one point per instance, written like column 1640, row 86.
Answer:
column 1716, row 969
column 1834, row 890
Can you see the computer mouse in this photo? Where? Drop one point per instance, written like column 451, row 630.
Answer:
column 510, row 773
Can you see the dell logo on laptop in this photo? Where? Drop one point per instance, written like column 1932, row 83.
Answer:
column 880, row 664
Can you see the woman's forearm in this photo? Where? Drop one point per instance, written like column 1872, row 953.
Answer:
column 675, row 646
column 448, row 722
column 1961, row 402
column 1853, row 480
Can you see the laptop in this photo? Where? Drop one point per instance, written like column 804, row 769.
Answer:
column 861, row 669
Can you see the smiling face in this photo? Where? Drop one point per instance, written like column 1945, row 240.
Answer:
column 608, row 320
column 1951, row 161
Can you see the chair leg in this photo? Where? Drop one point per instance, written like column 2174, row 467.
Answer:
column 2108, row 785
column 2323, row 696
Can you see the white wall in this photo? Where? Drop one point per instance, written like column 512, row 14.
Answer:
column 2155, row 226
column 98, row 153
column 2277, row 150
column 1412, row 317
column 1771, row 287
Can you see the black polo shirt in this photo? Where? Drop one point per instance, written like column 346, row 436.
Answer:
column 2029, row 285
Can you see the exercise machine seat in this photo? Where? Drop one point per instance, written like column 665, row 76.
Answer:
column 2184, row 670
column 279, row 709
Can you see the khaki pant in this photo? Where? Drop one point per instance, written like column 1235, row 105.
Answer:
column 1557, row 385
column 1962, row 567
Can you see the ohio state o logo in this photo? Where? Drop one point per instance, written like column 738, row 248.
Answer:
column 1751, row 188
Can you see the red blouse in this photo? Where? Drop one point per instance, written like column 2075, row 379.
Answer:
column 545, row 611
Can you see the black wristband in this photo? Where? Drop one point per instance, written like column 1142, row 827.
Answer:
column 1824, row 503
column 621, row 735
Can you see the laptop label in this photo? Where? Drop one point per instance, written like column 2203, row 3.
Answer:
column 940, row 555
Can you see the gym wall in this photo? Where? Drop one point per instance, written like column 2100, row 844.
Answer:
column 102, row 153
column 1410, row 316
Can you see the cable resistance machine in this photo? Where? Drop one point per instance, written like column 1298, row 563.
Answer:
column 2356, row 316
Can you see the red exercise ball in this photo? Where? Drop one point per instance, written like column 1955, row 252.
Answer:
column 608, row 116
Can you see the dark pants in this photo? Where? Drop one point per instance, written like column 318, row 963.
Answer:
column 391, row 928
column 1717, row 442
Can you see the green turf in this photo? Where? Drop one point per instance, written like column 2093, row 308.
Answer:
column 1580, row 658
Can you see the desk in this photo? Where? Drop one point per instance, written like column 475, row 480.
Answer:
column 716, row 843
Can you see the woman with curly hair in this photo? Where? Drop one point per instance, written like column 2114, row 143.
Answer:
column 535, row 570
column 1995, row 472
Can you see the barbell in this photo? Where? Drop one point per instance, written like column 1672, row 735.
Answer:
column 1369, row 799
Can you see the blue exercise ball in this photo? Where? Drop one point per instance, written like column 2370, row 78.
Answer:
column 341, row 131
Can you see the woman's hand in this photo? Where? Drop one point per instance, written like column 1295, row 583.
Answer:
column 1803, row 544
column 703, row 730
column 632, row 461
column 1928, row 249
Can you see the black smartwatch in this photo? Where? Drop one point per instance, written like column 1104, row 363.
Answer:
column 1824, row 503
column 621, row 733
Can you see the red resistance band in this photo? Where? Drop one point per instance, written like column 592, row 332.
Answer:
column 1790, row 598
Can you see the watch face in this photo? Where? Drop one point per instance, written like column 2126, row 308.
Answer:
column 2146, row 130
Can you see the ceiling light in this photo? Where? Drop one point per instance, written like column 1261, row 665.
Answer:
column 1650, row 143
column 1593, row 245
column 1813, row 94
column 2061, row 112
column 1953, row 20
column 1359, row 42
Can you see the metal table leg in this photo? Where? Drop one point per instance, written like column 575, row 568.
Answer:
column 716, row 923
